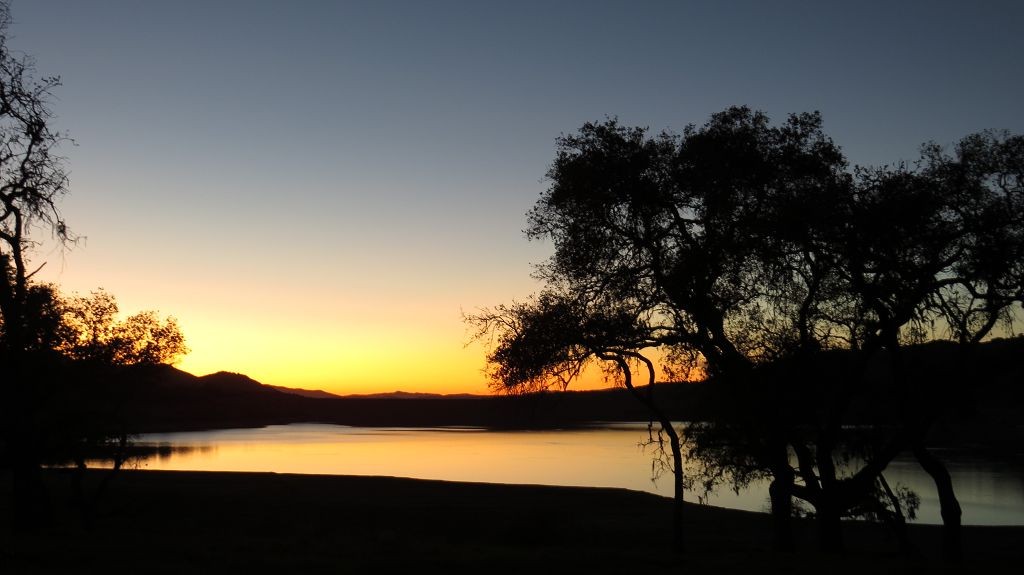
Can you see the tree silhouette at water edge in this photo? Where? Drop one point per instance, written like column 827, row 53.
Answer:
column 752, row 253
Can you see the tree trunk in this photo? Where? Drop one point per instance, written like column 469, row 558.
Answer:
column 666, row 427
column 781, row 493
column 952, row 546
column 898, row 521
column 830, row 526
column 829, row 509
column 31, row 501
column 677, row 493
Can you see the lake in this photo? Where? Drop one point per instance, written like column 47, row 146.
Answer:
column 607, row 455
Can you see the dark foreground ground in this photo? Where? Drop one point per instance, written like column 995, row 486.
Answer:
column 192, row 522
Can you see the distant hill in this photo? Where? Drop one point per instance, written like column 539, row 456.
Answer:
column 232, row 383
column 983, row 403
column 320, row 394
column 163, row 398
column 412, row 395
column 314, row 393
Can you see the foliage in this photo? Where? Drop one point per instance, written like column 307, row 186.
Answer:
column 87, row 329
column 551, row 339
column 93, row 333
column 32, row 179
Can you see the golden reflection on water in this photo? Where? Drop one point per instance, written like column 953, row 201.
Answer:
column 605, row 456
column 609, row 457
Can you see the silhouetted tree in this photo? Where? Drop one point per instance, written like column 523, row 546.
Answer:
column 752, row 252
column 32, row 180
column 679, row 226
column 83, row 359
column 672, row 228
column 936, row 252
column 91, row 331
column 45, row 340
column 891, row 257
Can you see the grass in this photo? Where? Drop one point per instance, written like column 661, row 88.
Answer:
column 196, row 522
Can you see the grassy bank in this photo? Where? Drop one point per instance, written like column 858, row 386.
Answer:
column 191, row 522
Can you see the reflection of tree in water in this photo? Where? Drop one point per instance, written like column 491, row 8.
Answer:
column 135, row 455
column 164, row 451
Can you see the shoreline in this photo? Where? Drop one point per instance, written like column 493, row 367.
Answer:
column 187, row 521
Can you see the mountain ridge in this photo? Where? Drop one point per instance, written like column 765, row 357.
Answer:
column 163, row 398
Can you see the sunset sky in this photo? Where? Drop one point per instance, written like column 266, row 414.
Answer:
column 319, row 190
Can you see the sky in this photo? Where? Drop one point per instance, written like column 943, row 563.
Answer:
column 318, row 191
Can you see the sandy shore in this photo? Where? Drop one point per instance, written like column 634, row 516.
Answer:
column 192, row 522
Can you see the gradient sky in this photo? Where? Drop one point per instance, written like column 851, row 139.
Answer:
column 318, row 190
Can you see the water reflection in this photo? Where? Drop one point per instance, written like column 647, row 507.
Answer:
column 990, row 492
column 164, row 452
column 142, row 453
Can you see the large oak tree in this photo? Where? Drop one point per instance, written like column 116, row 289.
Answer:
column 753, row 252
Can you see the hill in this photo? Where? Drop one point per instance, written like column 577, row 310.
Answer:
column 982, row 401
column 315, row 393
column 412, row 395
column 163, row 398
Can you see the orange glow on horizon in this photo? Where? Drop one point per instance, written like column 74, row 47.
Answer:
column 350, row 341
column 342, row 363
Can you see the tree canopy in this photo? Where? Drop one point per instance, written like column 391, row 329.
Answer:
column 93, row 332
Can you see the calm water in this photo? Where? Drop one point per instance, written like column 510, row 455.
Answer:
column 991, row 493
